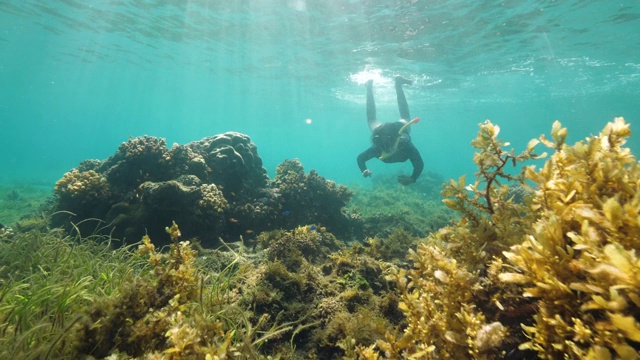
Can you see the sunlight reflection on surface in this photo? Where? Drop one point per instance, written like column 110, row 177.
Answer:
column 370, row 73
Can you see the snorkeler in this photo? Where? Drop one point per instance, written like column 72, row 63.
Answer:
column 391, row 140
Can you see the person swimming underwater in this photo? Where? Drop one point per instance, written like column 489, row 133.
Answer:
column 391, row 140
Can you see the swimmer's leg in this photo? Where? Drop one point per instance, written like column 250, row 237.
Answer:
column 371, row 107
column 402, row 100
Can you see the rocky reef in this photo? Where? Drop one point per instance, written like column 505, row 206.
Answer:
column 215, row 187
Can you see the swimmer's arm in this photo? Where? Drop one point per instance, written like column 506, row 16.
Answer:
column 416, row 161
column 365, row 156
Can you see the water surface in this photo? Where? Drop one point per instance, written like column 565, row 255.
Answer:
column 80, row 77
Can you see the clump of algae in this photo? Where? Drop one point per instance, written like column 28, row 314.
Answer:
column 579, row 262
column 150, row 311
column 175, row 312
column 68, row 297
column 47, row 278
column 493, row 217
column 446, row 296
column 568, row 283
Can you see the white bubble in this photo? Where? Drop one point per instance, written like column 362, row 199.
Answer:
column 308, row 121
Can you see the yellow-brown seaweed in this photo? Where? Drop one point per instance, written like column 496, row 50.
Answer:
column 569, row 283
column 580, row 263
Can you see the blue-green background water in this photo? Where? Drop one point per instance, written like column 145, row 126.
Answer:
column 77, row 78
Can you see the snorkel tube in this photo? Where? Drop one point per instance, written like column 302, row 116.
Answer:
column 394, row 148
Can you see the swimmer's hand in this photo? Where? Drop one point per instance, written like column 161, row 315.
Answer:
column 406, row 180
column 367, row 173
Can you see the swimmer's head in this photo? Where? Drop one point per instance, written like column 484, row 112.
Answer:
column 384, row 140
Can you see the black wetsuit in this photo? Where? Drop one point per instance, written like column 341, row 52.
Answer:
column 406, row 150
column 385, row 134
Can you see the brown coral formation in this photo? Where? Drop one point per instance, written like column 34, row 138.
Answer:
column 83, row 191
column 216, row 187
column 233, row 162
column 136, row 161
column 311, row 198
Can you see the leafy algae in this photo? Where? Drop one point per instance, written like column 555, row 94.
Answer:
column 570, row 279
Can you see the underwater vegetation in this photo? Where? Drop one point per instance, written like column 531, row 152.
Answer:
column 579, row 260
column 566, row 286
column 172, row 311
column 17, row 201
column 386, row 206
column 46, row 278
column 215, row 188
column 72, row 298
column 337, row 294
column 303, row 293
column 536, row 261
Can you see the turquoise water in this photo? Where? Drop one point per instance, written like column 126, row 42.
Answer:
column 80, row 77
